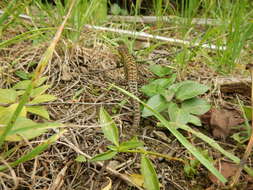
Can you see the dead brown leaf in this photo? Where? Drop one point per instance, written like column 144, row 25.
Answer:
column 221, row 121
column 226, row 169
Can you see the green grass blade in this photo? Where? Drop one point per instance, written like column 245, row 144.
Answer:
column 34, row 152
column 211, row 142
column 7, row 11
column 25, row 36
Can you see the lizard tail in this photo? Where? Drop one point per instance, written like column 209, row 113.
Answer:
column 137, row 114
column 136, row 105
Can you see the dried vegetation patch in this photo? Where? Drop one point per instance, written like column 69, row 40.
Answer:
column 80, row 77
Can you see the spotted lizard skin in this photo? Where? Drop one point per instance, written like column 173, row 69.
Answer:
column 131, row 74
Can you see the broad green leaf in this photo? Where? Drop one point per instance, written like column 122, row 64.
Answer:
column 37, row 126
column 40, row 90
column 81, row 158
column 20, row 92
column 178, row 115
column 34, row 152
column 157, row 86
column 38, row 110
column 109, row 127
column 26, row 128
column 133, row 143
column 112, row 147
column 150, row 177
column 6, row 113
column 159, row 70
column 104, row 156
column 157, row 103
column 196, row 106
column 176, row 86
column 194, row 120
column 23, row 75
column 190, row 89
column 40, row 81
column 169, row 94
column 22, row 84
column 7, row 96
column 43, row 98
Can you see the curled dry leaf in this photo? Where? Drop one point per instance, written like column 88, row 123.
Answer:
column 227, row 170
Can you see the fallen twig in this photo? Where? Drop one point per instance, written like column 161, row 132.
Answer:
column 150, row 36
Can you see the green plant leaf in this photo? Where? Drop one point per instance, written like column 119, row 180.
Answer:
column 157, row 103
column 178, row 115
column 159, row 70
column 157, row 86
column 150, row 177
column 196, row 106
column 133, row 143
column 40, row 81
column 189, row 170
column 6, row 112
column 81, row 158
column 169, row 94
column 20, row 92
column 35, row 151
column 23, row 75
column 38, row 110
column 40, row 90
column 190, row 89
column 194, row 120
column 26, row 128
column 109, row 127
column 104, row 156
column 7, row 96
column 248, row 112
column 112, row 147
column 22, row 84
column 172, row 127
column 43, row 98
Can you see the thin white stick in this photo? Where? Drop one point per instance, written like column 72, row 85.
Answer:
column 143, row 35
column 162, row 38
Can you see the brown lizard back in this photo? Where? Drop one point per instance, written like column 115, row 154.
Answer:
column 131, row 73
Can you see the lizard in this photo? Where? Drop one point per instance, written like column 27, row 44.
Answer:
column 131, row 75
